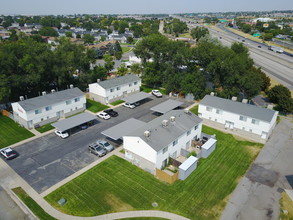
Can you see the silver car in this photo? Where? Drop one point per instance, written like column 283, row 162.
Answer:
column 97, row 150
column 105, row 145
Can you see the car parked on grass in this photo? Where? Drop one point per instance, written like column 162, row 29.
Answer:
column 8, row 153
column 157, row 93
column 97, row 150
column 105, row 145
column 111, row 112
column 128, row 105
column 104, row 115
column 62, row 134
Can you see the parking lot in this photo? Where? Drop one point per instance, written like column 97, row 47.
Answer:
column 49, row 159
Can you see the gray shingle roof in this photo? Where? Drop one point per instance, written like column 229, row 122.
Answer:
column 240, row 108
column 118, row 81
column 161, row 136
column 50, row 99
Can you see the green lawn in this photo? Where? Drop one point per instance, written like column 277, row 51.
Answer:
column 45, row 128
column 32, row 205
column 143, row 218
column 116, row 185
column 147, row 89
column 194, row 110
column 126, row 49
column 95, row 106
column 11, row 132
column 117, row 102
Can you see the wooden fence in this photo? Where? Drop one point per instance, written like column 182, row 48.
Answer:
column 5, row 113
column 162, row 175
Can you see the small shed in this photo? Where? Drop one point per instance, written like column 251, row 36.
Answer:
column 187, row 167
column 208, row 147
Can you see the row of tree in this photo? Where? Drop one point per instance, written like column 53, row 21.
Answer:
column 208, row 67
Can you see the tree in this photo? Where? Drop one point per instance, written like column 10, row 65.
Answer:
column 286, row 104
column 122, row 70
column 199, row 32
column 118, row 55
column 268, row 36
column 246, row 28
column 103, row 38
column 278, row 93
column 136, row 68
column 129, row 39
column 109, row 65
column 68, row 34
column 88, row 39
column 239, row 48
column 193, row 83
column 48, row 31
column 122, row 26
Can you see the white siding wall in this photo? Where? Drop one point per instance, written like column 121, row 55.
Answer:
column 57, row 107
column 139, row 147
column 235, row 118
column 95, row 88
column 182, row 141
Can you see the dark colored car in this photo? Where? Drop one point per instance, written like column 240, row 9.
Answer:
column 111, row 112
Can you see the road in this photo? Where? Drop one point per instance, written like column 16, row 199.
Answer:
column 257, row 194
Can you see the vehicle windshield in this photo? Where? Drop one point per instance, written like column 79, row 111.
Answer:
column 98, row 148
column 106, row 144
column 10, row 153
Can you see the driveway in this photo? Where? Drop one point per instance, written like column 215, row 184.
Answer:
column 258, row 193
column 47, row 160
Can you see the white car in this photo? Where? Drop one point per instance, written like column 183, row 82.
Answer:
column 8, row 153
column 128, row 105
column 63, row 134
column 104, row 115
column 157, row 93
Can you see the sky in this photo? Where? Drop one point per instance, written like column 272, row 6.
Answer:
column 55, row 7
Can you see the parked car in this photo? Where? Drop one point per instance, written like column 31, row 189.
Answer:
column 8, row 153
column 259, row 46
column 84, row 126
column 105, row 145
column 136, row 104
column 128, row 105
column 111, row 112
column 157, row 93
column 97, row 150
column 104, row 115
column 62, row 134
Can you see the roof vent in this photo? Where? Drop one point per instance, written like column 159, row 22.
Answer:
column 147, row 133
column 244, row 101
column 71, row 86
column 172, row 118
column 21, row 98
column 53, row 90
column 165, row 123
column 98, row 80
column 212, row 94
column 186, row 111
column 270, row 106
column 44, row 93
column 234, row 98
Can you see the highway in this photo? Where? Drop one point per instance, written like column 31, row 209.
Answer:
column 277, row 66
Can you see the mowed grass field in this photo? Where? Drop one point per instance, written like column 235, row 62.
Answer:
column 116, row 185
column 11, row 132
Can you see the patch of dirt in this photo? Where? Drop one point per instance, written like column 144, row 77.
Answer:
column 116, row 204
column 253, row 150
column 261, row 175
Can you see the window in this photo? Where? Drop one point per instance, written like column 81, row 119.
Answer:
column 68, row 102
column 242, row 118
column 175, row 142
column 165, row 150
column 209, row 109
column 188, row 133
column 111, row 90
column 118, row 88
column 218, row 111
column 48, row 108
column 38, row 111
column 195, row 127
column 76, row 99
column 254, row 121
column 135, row 83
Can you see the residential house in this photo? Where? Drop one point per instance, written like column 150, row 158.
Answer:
column 114, row 89
column 48, row 107
column 237, row 115
column 151, row 145
column 121, row 38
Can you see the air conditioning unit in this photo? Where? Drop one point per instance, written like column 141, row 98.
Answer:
column 98, row 80
column 234, row 98
column 53, row 90
column 21, row 98
column 212, row 94
column 71, row 86
column 244, row 101
column 147, row 133
column 44, row 93
column 172, row 118
column 165, row 123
